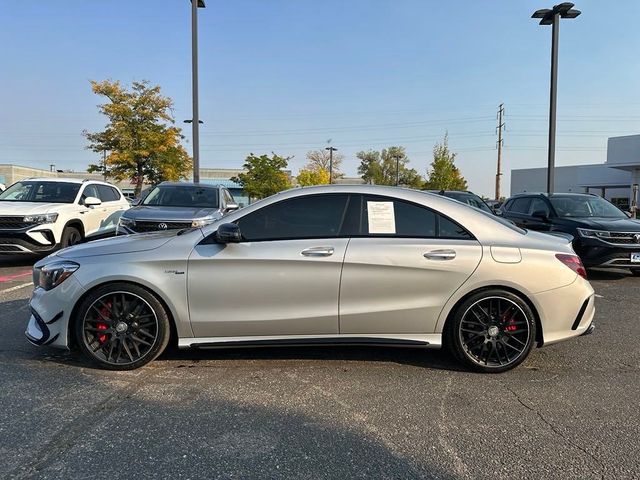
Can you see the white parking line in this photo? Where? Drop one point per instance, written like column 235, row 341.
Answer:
column 17, row 287
column 598, row 296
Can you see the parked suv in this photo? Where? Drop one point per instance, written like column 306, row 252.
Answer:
column 469, row 198
column 39, row 215
column 175, row 205
column 604, row 236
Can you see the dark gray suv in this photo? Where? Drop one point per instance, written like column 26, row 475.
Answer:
column 176, row 205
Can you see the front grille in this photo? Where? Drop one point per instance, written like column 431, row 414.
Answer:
column 142, row 226
column 624, row 238
column 13, row 223
column 10, row 249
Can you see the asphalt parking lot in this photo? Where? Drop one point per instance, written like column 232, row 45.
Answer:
column 571, row 411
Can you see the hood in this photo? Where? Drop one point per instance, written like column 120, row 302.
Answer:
column 29, row 208
column 124, row 244
column 610, row 224
column 171, row 214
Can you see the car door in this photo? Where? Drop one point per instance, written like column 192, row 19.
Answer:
column 112, row 208
column 91, row 216
column 402, row 268
column 282, row 279
column 535, row 222
column 517, row 210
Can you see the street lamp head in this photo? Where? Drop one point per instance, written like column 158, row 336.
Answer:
column 331, row 149
column 200, row 3
column 191, row 121
column 564, row 10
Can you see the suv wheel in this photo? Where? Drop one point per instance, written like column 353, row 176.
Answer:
column 635, row 272
column 70, row 236
column 121, row 326
column 492, row 331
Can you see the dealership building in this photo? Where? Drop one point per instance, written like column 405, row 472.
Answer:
column 613, row 179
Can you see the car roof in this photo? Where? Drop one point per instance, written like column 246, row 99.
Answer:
column 190, row 184
column 556, row 194
column 65, row 180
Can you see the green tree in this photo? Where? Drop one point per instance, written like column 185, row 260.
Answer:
column 379, row 168
column 320, row 160
column 444, row 175
column 143, row 143
column 264, row 175
column 308, row 177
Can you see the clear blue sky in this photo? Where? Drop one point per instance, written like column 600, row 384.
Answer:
column 287, row 75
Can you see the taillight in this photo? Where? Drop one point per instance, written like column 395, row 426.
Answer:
column 573, row 262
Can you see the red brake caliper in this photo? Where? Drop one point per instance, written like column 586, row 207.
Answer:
column 510, row 323
column 103, row 326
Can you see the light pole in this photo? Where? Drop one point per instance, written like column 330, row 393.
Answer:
column 331, row 150
column 195, row 4
column 552, row 17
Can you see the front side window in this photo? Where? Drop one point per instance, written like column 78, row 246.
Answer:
column 313, row 216
column 584, row 206
column 539, row 205
column 41, row 191
column 520, row 205
column 182, row 196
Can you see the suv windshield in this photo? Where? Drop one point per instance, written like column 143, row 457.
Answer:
column 41, row 191
column 584, row 206
column 182, row 196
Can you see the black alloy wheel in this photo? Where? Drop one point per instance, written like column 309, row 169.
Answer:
column 122, row 327
column 492, row 331
column 70, row 236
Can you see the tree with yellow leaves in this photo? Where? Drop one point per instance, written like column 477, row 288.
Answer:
column 143, row 142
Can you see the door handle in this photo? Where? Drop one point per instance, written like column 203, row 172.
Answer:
column 318, row 252
column 440, row 255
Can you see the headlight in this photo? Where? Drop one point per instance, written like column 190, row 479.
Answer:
column 53, row 274
column 40, row 219
column 585, row 232
column 126, row 222
column 201, row 222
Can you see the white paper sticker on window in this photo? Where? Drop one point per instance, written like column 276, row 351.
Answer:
column 381, row 217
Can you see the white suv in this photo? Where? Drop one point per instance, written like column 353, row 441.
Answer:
column 39, row 215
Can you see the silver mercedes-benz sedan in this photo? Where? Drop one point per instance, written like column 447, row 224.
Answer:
column 322, row 265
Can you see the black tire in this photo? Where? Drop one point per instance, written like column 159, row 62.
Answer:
column 121, row 326
column 635, row 272
column 492, row 331
column 70, row 236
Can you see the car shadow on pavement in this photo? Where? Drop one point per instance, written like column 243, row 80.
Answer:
column 607, row 274
column 18, row 260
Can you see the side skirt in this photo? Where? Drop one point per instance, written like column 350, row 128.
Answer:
column 401, row 340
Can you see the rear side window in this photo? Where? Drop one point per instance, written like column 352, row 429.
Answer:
column 383, row 216
column 520, row 205
column 108, row 194
column 313, row 216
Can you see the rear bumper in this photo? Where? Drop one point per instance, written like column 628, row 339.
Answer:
column 566, row 312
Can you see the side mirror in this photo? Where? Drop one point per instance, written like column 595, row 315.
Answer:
column 541, row 214
column 92, row 202
column 231, row 207
column 628, row 214
column 497, row 211
column 228, row 233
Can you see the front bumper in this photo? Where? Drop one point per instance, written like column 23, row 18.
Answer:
column 50, row 314
column 37, row 240
column 596, row 253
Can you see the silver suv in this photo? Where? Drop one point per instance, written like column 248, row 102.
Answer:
column 176, row 205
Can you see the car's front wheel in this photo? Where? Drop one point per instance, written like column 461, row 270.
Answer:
column 635, row 272
column 491, row 331
column 121, row 326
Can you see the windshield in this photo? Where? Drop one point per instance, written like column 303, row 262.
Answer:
column 470, row 199
column 584, row 206
column 182, row 196
column 41, row 191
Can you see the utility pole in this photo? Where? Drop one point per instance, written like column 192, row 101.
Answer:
column 500, row 128
column 397, row 158
column 331, row 150
column 104, row 165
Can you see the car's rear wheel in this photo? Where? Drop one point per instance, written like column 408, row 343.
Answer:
column 70, row 236
column 121, row 326
column 491, row 331
column 635, row 272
